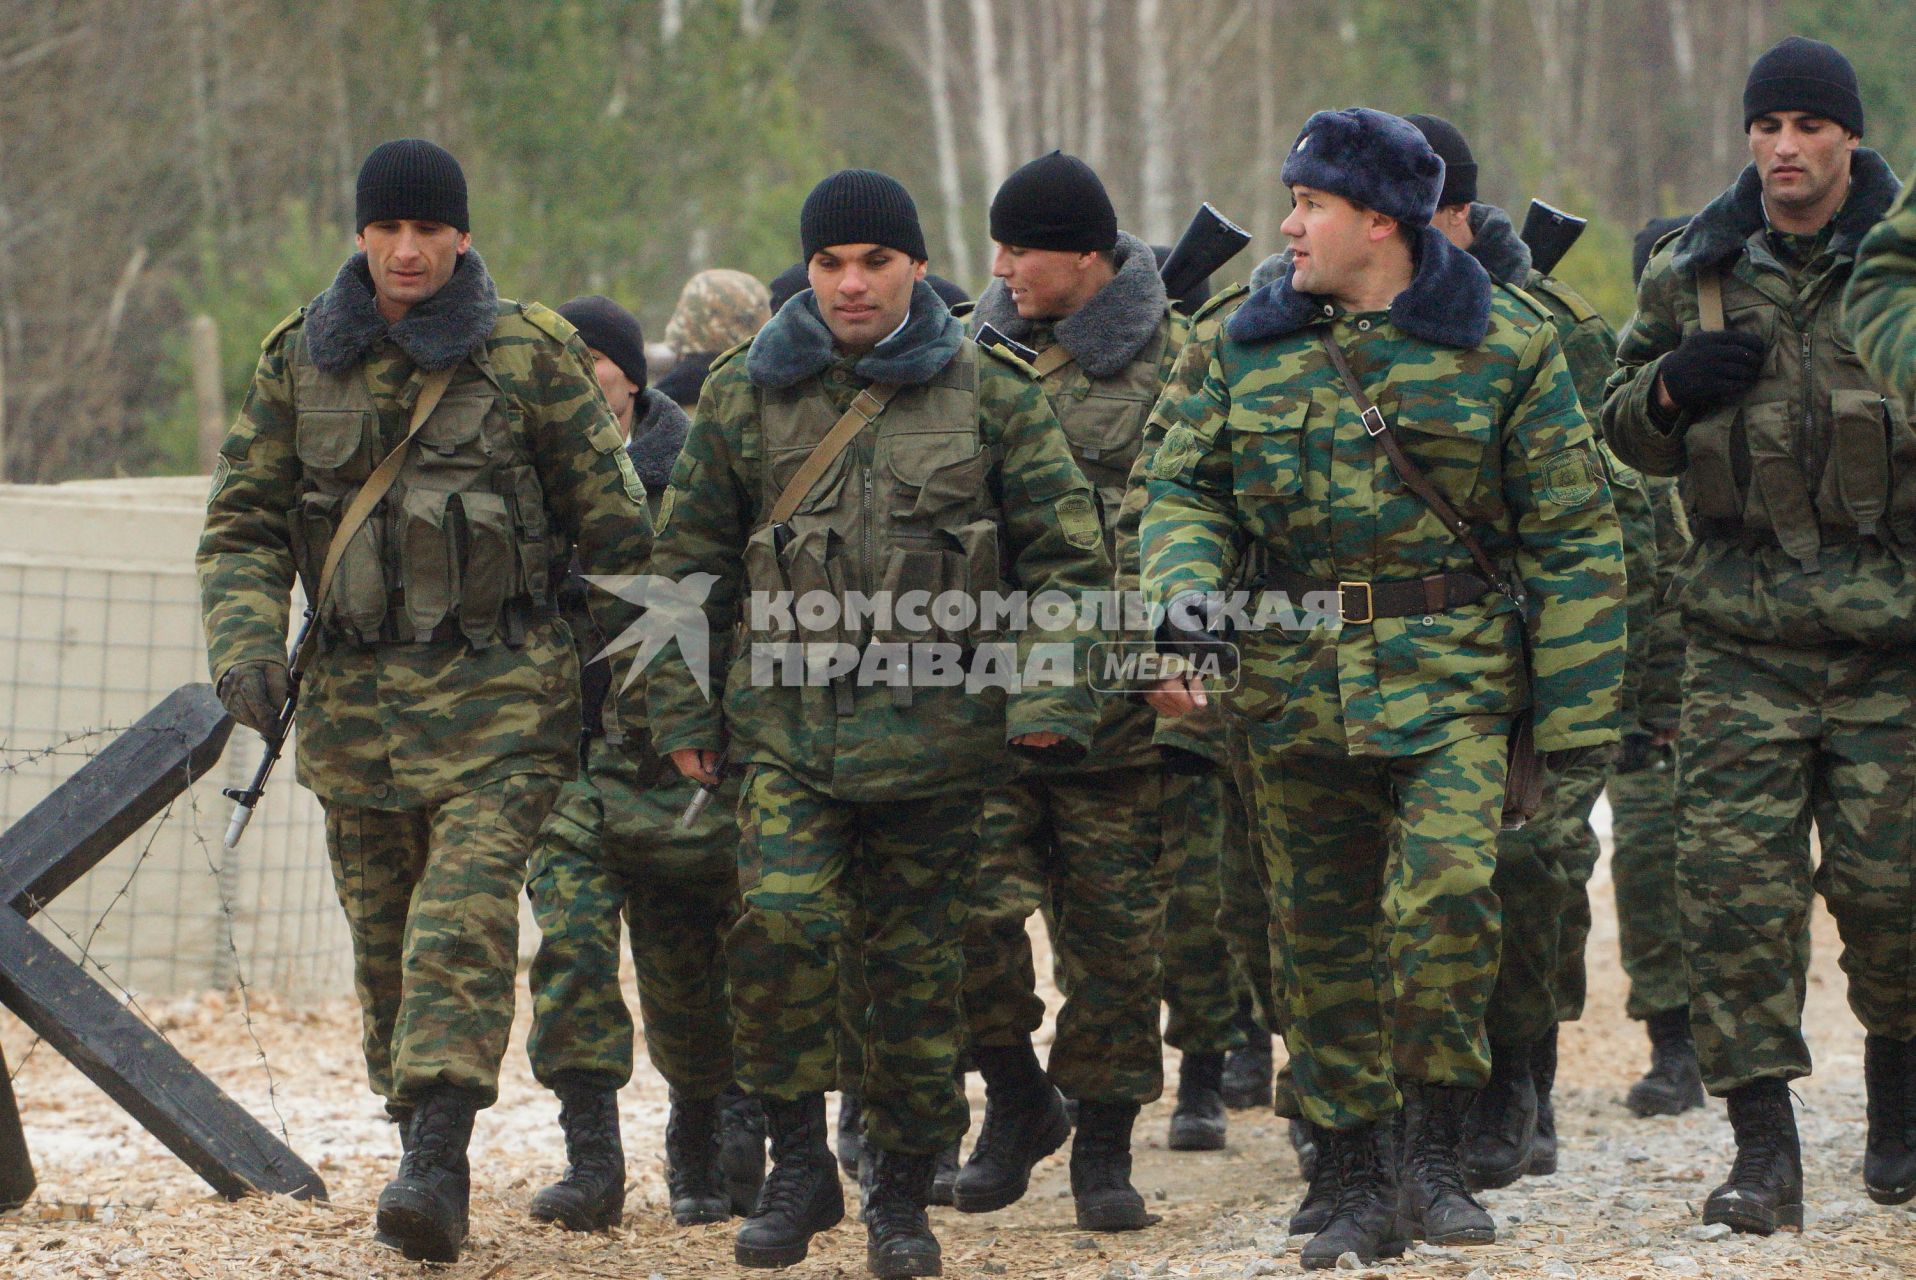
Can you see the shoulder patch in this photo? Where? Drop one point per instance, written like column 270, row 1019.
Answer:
column 221, row 469
column 1567, row 478
column 273, row 334
column 1535, row 307
column 1078, row 520
column 727, row 356
column 1575, row 303
column 548, row 322
column 1007, row 359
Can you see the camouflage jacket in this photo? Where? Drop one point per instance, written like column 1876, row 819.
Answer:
column 1122, row 344
column 1002, row 452
column 1882, row 301
column 1646, row 505
column 1802, row 494
column 406, row 726
column 1264, row 448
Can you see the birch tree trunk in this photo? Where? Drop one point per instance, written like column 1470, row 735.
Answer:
column 1096, row 17
column 1154, row 125
column 994, row 143
column 945, row 139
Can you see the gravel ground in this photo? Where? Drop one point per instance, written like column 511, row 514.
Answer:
column 114, row 1203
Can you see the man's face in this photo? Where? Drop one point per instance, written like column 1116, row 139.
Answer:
column 1454, row 221
column 863, row 291
column 1802, row 159
column 620, row 391
column 410, row 259
column 1330, row 241
column 1045, row 284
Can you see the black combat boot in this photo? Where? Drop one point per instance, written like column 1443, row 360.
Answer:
column 1674, row 1083
column 1501, row 1126
column 1101, row 1168
column 1543, row 1074
column 1304, row 1144
column 1889, row 1159
column 1437, row 1205
column 1764, row 1193
column 1198, row 1122
column 401, row 1116
column 1024, row 1122
column 801, row 1196
column 591, row 1195
column 851, row 1131
column 424, row 1206
column 944, row 1176
column 693, row 1179
column 1248, row 1072
column 899, row 1239
column 741, row 1147
column 1320, row 1191
column 1364, row 1218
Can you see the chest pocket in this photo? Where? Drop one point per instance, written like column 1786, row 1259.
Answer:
column 933, row 477
column 1267, row 444
column 1104, row 430
column 333, row 443
column 825, row 495
column 449, row 448
column 1454, row 442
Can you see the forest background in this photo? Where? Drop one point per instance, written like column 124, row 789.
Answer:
column 181, row 171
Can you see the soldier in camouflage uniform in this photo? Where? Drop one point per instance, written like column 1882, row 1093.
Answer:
column 1642, row 791
column 441, row 712
column 1543, row 870
column 1882, row 300
column 612, row 845
column 1378, row 733
column 717, row 310
column 1739, row 376
column 1088, row 299
column 862, row 801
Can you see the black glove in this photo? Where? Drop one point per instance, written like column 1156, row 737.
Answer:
column 254, row 692
column 1193, row 627
column 1712, row 367
column 1641, row 753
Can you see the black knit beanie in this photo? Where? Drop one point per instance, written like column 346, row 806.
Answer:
column 1460, row 167
column 1055, row 202
column 1804, row 75
column 610, row 329
column 860, row 206
column 412, row 178
column 788, row 284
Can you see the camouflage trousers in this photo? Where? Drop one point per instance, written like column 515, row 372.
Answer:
column 1643, row 873
column 1093, row 842
column 1771, row 739
column 584, row 875
column 432, row 906
column 1244, row 918
column 1542, row 885
column 1380, row 882
column 811, row 870
column 1201, row 984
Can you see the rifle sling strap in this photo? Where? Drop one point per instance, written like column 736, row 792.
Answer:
column 377, row 485
column 866, row 407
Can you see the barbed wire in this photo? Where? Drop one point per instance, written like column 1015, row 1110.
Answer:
column 52, row 750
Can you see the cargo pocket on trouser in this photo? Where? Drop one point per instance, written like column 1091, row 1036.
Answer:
column 488, row 572
column 1779, row 499
column 1856, row 476
column 428, row 570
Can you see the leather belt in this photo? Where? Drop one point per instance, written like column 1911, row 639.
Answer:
column 1360, row 602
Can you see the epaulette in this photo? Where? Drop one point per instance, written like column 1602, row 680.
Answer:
column 1006, row 358
column 726, row 356
column 964, row 309
column 266, row 344
column 548, row 322
column 1229, row 293
column 1536, row 308
column 1579, row 308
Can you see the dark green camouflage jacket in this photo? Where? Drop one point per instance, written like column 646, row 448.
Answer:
column 1264, row 448
column 1882, row 301
column 1801, row 495
column 406, row 726
column 1006, row 453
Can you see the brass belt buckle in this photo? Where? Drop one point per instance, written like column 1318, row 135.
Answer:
column 1343, row 611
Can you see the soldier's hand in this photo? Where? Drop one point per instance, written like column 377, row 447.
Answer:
column 1709, row 368
column 1043, row 739
column 699, row 765
column 254, row 692
column 1177, row 695
column 1193, row 627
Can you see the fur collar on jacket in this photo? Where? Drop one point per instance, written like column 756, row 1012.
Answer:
column 1717, row 235
column 658, row 431
column 1110, row 330
column 1498, row 246
column 1447, row 303
column 796, row 345
column 343, row 324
